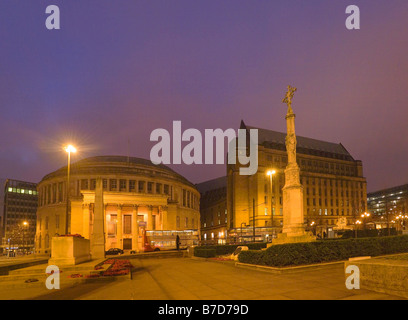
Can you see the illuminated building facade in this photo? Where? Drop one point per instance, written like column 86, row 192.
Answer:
column 389, row 207
column 19, row 215
column 213, row 211
column 138, row 198
column 333, row 184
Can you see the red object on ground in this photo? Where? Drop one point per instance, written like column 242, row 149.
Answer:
column 119, row 267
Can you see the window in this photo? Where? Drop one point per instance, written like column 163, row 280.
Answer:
column 57, row 221
column 113, row 184
column 150, row 187
column 127, row 224
column 84, row 184
column 105, row 184
column 111, row 224
column 93, row 184
column 141, row 186
column 132, row 185
column 122, row 185
column 158, row 188
column 166, row 189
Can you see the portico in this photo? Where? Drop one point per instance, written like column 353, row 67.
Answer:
column 126, row 217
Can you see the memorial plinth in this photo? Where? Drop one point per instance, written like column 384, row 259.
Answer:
column 69, row 251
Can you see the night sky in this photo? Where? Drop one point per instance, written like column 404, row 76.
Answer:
column 119, row 69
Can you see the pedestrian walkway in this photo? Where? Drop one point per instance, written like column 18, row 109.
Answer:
column 178, row 278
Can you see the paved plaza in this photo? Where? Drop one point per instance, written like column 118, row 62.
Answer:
column 184, row 278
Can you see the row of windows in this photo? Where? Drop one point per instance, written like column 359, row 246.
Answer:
column 190, row 200
column 316, row 166
column 337, row 212
column 22, row 191
column 55, row 193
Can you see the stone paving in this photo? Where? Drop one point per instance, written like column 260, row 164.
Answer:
column 183, row 278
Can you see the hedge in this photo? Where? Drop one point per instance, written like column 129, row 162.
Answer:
column 204, row 253
column 229, row 249
column 294, row 254
column 369, row 233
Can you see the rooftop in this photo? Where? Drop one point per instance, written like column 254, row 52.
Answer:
column 117, row 165
column 276, row 140
column 213, row 184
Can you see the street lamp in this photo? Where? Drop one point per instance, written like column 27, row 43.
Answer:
column 312, row 225
column 270, row 173
column 358, row 222
column 25, row 224
column 68, row 149
column 402, row 218
column 365, row 215
column 243, row 223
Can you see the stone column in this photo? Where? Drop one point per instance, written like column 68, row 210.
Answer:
column 119, row 235
column 293, row 220
column 149, row 218
column 105, row 206
column 161, row 218
column 98, row 232
column 164, row 217
column 135, row 229
column 86, row 220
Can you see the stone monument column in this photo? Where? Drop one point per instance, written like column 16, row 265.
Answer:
column 293, row 221
column 98, row 232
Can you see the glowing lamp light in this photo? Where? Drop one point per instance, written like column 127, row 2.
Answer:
column 70, row 149
column 271, row 172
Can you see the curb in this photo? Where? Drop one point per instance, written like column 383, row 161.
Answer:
column 287, row 270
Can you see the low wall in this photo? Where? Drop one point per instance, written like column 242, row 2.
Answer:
column 383, row 275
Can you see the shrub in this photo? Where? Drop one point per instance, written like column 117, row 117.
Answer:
column 204, row 253
column 293, row 254
column 368, row 233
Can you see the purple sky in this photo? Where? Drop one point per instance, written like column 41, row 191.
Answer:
column 119, row 69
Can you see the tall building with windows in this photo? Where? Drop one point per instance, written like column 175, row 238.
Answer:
column 19, row 215
column 334, row 186
column 213, row 211
column 389, row 207
column 2, row 186
column 138, row 197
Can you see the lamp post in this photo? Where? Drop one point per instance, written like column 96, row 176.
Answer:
column 68, row 149
column 313, row 226
column 243, row 223
column 270, row 173
column 25, row 224
column 358, row 222
column 365, row 215
column 402, row 219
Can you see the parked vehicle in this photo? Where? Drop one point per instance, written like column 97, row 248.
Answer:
column 114, row 251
